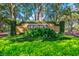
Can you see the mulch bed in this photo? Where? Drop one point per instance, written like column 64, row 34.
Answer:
column 76, row 34
column 3, row 34
column 73, row 33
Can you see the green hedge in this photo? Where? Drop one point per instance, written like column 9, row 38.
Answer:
column 45, row 33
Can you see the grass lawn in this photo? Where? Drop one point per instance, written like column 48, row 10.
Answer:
column 67, row 47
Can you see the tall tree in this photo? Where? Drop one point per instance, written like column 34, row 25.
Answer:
column 13, row 18
column 35, row 14
column 56, row 11
column 39, row 11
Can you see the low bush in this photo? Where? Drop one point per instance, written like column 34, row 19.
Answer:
column 45, row 33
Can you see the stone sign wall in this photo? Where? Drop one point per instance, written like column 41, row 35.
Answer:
column 24, row 26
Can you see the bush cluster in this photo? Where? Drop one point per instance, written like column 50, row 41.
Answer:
column 45, row 33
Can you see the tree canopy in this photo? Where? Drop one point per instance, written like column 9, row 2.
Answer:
column 12, row 13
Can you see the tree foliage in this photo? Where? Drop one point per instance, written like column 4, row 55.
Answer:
column 22, row 12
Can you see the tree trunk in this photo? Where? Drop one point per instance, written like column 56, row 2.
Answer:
column 35, row 11
column 13, row 17
column 39, row 12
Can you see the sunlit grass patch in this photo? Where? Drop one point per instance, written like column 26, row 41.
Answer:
column 67, row 47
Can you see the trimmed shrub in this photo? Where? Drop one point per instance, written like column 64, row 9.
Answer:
column 42, row 34
column 45, row 33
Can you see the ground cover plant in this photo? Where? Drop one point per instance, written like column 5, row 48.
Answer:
column 37, row 47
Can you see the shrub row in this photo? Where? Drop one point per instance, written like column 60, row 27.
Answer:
column 37, row 34
column 44, row 33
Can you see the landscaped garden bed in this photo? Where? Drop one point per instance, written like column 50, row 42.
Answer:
column 39, row 42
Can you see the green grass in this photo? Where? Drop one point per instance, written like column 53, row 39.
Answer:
column 65, row 47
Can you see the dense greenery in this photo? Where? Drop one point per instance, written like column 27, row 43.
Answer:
column 67, row 47
column 33, row 33
column 21, row 12
column 45, row 33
